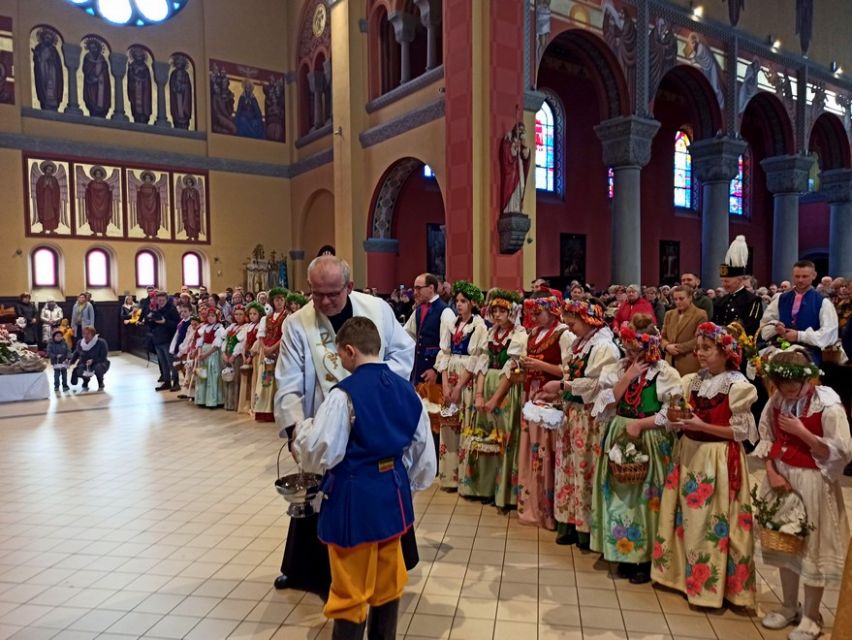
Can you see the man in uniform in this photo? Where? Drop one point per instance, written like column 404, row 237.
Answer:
column 738, row 304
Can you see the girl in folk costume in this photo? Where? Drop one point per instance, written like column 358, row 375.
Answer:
column 208, row 383
column 232, row 356
column 250, row 365
column 295, row 301
column 705, row 544
column 269, row 336
column 804, row 439
column 549, row 340
column 458, row 361
column 490, row 470
column 634, row 395
column 578, row 441
column 187, row 352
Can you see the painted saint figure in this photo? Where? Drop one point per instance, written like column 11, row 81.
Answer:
column 249, row 117
column 514, row 167
column 222, row 103
column 148, row 205
column 47, row 68
column 190, row 201
column 180, row 87
column 274, row 106
column 97, row 87
column 48, row 197
column 139, row 85
column 98, row 202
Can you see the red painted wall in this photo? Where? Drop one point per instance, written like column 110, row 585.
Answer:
column 813, row 227
column 419, row 204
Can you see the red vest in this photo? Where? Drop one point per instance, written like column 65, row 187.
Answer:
column 790, row 449
column 717, row 410
column 549, row 351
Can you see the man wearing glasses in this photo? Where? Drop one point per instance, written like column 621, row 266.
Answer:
column 308, row 368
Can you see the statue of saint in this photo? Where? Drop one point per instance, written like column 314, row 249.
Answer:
column 98, row 202
column 139, row 85
column 190, row 204
column 47, row 70
column 180, row 88
column 249, row 117
column 148, row 205
column 514, row 167
column 274, row 106
column 222, row 103
column 97, row 87
column 48, row 197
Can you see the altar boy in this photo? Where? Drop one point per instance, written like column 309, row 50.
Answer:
column 371, row 438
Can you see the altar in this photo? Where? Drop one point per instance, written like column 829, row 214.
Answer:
column 17, row 387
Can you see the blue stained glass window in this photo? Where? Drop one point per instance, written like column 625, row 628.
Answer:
column 545, row 154
column 131, row 12
column 427, row 172
column 610, row 183
column 735, row 195
column 682, row 171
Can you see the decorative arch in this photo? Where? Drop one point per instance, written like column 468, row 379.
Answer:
column 705, row 115
column 828, row 139
column 597, row 58
column 387, row 194
column 317, row 222
column 771, row 117
column 46, row 267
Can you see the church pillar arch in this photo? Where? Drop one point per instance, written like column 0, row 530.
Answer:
column 836, row 184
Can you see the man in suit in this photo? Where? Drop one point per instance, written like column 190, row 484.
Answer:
column 699, row 298
column 678, row 334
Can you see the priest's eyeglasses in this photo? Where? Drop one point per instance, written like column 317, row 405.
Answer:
column 319, row 296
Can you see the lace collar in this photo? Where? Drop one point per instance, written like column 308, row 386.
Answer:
column 710, row 386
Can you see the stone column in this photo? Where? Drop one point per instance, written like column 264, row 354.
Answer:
column 118, row 65
column 71, row 55
column 161, row 77
column 430, row 17
column 626, row 144
column 715, row 163
column 326, row 67
column 404, row 25
column 836, row 184
column 316, row 85
column 786, row 179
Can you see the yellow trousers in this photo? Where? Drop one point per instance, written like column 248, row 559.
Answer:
column 368, row 575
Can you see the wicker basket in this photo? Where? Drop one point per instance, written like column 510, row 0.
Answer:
column 630, row 473
column 451, row 422
column 831, row 356
column 517, row 377
column 780, row 542
column 677, row 415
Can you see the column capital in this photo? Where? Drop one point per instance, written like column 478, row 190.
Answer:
column 161, row 73
column 430, row 12
column 716, row 159
column 71, row 54
column 404, row 26
column 381, row 245
column 533, row 100
column 836, row 184
column 787, row 174
column 118, row 63
column 627, row 140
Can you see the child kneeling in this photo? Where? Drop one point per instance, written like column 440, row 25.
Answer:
column 372, row 441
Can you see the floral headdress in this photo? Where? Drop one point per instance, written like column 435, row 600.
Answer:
column 298, row 298
column 591, row 313
column 649, row 343
column 261, row 310
column 277, row 291
column 772, row 368
column 468, row 290
column 534, row 306
column 723, row 339
column 503, row 299
column 211, row 309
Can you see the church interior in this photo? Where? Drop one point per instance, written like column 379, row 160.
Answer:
column 224, row 143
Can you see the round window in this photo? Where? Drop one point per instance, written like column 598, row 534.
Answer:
column 137, row 13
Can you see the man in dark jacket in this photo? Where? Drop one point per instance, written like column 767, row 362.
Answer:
column 91, row 358
column 163, row 322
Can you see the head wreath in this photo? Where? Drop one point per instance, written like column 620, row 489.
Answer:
column 468, row 290
column 590, row 313
column 723, row 339
column 649, row 343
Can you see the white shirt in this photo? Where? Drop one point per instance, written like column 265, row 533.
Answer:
column 448, row 319
column 822, row 337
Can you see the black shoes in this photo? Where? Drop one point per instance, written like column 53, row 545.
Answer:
column 163, row 387
column 174, row 387
column 280, row 582
column 641, row 573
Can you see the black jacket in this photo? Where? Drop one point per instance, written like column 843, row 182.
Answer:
column 163, row 332
column 97, row 354
column 742, row 306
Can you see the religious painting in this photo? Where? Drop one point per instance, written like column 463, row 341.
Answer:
column 99, row 195
column 696, row 50
column 49, row 84
column 191, row 221
column 669, row 262
column 246, row 101
column 94, row 83
column 180, row 92
column 49, row 207
column 572, row 256
column 7, row 71
column 140, row 83
column 436, row 248
column 148, row 204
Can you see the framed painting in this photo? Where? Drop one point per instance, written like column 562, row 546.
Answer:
column 572, row 257
column 148, row 204
column 192, row 217
column 99, row 198
column 49, row 205
column 436, row 249
column 669, row 262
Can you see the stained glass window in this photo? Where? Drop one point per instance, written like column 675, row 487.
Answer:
column 137, row 13
column 427, row 172
column 45, row 267
column 610, row 183
column 545, row 153
column 682, row 171
column 191, row 269
column 97, row 268
column 146, row 269
column 738, row 195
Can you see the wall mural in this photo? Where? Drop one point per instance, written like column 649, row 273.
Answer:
column 87, row 198
column 7, row 73
column 258, row 112
column 48, row 71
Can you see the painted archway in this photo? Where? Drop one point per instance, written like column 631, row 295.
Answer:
column 317, row 222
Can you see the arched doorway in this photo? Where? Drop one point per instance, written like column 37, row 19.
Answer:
column 406, row 233
column 584, row 86
column 317, row 224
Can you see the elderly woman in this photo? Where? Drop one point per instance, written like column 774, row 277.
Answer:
column 90, row 358
column 51, row 316
column 24, row 308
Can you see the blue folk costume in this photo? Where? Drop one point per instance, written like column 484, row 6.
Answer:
column 806, row 318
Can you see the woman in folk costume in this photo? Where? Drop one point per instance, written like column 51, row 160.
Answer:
column 458, row 362
column 578, row 441
column 269, row 336
column 634, row 395
column 805, row 442
column 187, row 352
column 208, row 383
column 548, row 343
column 232, row 356
column 490, row 469
column 705, row 544
column 250, row 366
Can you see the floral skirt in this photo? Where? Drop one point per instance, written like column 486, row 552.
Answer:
column 264, row 392
column 577, row 449
column 705, row 543
column 536, row 465
column 450, row 453
column 208, row 391
column 625, row 516
column 485, row 442
column 231, row 390
column 248, row 382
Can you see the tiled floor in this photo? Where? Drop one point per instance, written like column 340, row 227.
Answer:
column 131, row 514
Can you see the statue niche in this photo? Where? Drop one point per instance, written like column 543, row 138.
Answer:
column 180, row 92
column 47, row 70
column 139, row 85
column 515, row 159
column 97, row 86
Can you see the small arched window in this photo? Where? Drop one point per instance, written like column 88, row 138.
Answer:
column 97, row 269
column 738, row 194
column 682, row 171
column 545, row 152
column 191, row 264
column 147, row 268
column 45, row 267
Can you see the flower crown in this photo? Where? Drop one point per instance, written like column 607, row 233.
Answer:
column 257, row 307
column 647, row 342
column 298, row 298
column 590, row 313
column 723, row 339
column 503, row 299
column 790, row 371
column 534, row 306
column 468, row 290
column 277, row 291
